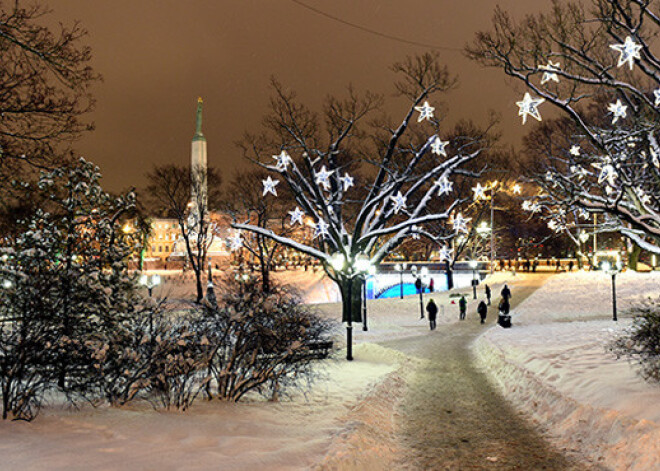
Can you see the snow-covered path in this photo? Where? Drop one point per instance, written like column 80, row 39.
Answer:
column 453, row 418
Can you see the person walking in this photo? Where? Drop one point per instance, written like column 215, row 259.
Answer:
column 462, row 304
column 488, row 294
column 432, row 311
column 506, row 293
column 570, row 265
column 431, row 285
column 482, row 309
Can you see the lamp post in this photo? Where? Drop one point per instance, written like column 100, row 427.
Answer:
column 473, row 265
column 350, row 269
column 371, row 272
column 421, row 275
column 150, row 282
column 612, row 271
column 401, row 268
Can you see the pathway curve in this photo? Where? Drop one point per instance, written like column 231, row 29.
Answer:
column 452, row 418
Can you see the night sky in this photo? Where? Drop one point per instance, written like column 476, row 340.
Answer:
column 158, row 56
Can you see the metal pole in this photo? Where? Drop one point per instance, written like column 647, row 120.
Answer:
column 401, row 284
column 421, row 300
column 614, row 297
column 474, row 284
column 349, row 325
column 364, row 304
column 492, row 230
column 595, row 242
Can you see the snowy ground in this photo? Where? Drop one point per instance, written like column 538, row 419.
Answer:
column 554, row 365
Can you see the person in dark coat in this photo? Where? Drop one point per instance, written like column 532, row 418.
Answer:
column 432, row 311
column 462, row 304
column 418, row 285
column 504, row 306
column 483, row 311
column 570, row 265
column 487, row 288
column 506, row 293
column 431, row 285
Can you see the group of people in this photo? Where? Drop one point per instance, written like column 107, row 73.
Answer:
column 482, row 308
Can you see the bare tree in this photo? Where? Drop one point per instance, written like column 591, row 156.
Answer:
column 599, row 68
column 409, row 167
column 171, row 190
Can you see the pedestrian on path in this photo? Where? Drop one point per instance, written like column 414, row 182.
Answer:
column 488, row 293
column 506, row 293
column 483, row 311
column 432, row 310
column 431, row 286
column 462, row 304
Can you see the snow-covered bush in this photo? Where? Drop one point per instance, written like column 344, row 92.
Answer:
column 641, row 343
column 262, row 341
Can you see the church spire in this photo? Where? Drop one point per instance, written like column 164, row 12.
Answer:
column 198, row 128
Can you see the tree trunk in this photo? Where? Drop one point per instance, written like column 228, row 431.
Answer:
column 450, row 276
column 265, row 277
column 633, row 257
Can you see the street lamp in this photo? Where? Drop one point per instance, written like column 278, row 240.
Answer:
column 401, row 268
column 351, row 268
column 420, row 275
column 612, row 271
column 150, row 282
column 473, row 265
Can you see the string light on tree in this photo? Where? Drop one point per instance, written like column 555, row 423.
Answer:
column 438, row 146
column 628, row 52
column 296, row 216
column 269, row 186
column 618, row 110
column 425, row 112
column 550, row 72
column 529, row 107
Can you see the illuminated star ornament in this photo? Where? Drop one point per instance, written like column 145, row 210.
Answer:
column 575, row 150
column 438, row 146
column 460, row 223
column 444, row 186
column 478, row 192
column 347, row 181
column 656, row 96
column 607, row 173
column 296, row 216
column 269, row 186
column 529, row 106
column 283, row 160
column 322, row 178
column 235, row 242
column 415, row 232
column 399, row 202
column 618, row 110
column 321, row 229
column 516, row 189
column 446, row 253
column 425, row 112
column 550, row 72
column 629, row 51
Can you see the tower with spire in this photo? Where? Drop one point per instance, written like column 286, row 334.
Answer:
column 198, row 168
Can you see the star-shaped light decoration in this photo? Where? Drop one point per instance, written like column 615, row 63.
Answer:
column 425, row 112
column 526, row 205
column 629, row 51
column 399, row 202
column 643, row 197
column 283, row 160
column 583, row 213
column 444, row 186
column 584, row 236
column 347, row 181
column 607, row 173
column 235, row 242
column 516, row 189
column 415, row 232
column 269, row 186
column 460, row 223
column 654, row 158
column 296, row 216
column 321, row 229
column 548, row 176
column 479, row 192
column 438, row 146
column 552, row 225
column 322, row 178
column 529, row 106
column 575, row 150
column 656, row 96
column 446, row 253
column 550, row 72
column 618, row 110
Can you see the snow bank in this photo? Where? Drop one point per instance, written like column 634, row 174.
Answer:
column 350, row 406
column 561, row 374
